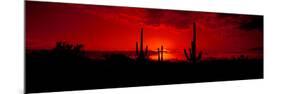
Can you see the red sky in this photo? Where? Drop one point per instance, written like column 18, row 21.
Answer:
column 104, row 28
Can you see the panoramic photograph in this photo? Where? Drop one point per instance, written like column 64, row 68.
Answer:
column 81, row 47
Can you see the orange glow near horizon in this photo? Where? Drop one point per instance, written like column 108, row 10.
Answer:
column 166, row 56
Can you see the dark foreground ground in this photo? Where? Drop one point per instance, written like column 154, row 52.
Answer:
column 49, row 74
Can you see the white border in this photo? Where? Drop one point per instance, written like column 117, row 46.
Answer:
column 12, row 41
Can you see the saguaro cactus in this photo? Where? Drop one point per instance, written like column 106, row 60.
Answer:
column 193, row 57
column 141, row 44
column 137, row 48
column 162, row 52
column 158, row 50
column 141, row 55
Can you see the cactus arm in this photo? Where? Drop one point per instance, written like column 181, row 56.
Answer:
column 146, row 51
column 191, row 54
column 186, row 54
column 199, row 56
column 137, row 49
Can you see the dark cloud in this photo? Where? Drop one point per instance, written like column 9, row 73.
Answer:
column 253, row 23
column 256, row 49
column 243, row 22
column 153, row 17
column 178, row 19
column 184, row 19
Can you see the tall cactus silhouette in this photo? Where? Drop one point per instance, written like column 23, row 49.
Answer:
column 137, row 48
column 158, row 50
column 141, row 44
column 193, row 56
column 160, row 53
column 141, row 55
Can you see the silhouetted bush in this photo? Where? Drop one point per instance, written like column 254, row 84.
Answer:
column 67, row 51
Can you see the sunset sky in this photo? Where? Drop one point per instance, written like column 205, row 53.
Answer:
column 104, row 28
